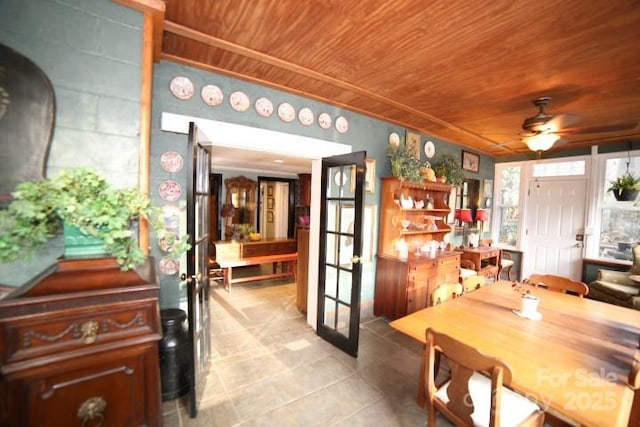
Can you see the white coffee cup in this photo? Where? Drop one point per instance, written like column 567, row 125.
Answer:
column 529, row 305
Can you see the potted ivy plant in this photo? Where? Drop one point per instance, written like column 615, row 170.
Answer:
column 404, row 164
column 625, row 187
column 81, row 202
column 450, row 167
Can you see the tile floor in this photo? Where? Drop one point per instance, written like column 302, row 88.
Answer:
column 269, row 368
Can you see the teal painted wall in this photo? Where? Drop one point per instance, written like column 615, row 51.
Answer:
column 91, row 52
column 364, row 133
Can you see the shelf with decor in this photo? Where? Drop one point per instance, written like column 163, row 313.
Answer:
column 412, row 258
column 416, row 213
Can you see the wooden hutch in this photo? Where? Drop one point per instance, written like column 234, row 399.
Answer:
column 404, row 283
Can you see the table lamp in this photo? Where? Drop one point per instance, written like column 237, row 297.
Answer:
column 482, row 215
column 464, row 217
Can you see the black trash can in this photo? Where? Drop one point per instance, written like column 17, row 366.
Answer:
column 174, row 354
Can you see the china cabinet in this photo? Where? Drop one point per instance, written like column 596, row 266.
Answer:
column 412, row 258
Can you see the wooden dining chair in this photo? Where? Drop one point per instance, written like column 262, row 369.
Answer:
column 445, row 292
column 634, row 383
column 470, row 398
column 467, row 269
column 559, row 284
column 472, row 283
column 506, row 264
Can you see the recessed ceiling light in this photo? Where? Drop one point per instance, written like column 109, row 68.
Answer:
column 278, row 161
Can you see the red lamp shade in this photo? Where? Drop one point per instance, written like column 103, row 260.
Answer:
column 465, row 215
column 482, row 215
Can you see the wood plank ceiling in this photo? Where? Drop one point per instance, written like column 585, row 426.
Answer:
column 465, row 71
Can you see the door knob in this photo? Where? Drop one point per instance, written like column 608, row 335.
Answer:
column 578, row 245
column 355, row 259
column 189, row 279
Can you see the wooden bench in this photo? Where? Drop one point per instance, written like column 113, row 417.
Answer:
column 287, row 261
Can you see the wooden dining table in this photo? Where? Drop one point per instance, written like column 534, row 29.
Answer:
column 575, row 360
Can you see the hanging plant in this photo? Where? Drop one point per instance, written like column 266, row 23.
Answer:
column 625, row 187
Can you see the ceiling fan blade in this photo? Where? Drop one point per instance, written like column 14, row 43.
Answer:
column 560, row 122
column 616, row 127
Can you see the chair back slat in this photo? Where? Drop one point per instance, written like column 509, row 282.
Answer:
column 559, row 284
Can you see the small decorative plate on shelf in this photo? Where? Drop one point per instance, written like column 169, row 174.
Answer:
column 286, row 112
column 239, row 101
column 305, row 116
column 171, row 161
column 212, row 95
column 324, row 120
column 181, row 87
column 342, row 125
column 264, row 106
column 168, row 266
column 170, row 190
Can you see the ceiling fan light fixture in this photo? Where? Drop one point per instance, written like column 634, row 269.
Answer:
column 541, row 141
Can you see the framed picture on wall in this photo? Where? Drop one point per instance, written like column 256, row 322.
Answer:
column 270, row 191
column 269, row 216
column 470, row 161
column 413, row 143
column 269, row 202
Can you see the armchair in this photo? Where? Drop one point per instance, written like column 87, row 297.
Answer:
column 617, row 287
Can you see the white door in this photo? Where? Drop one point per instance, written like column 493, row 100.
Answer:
column 554, row 221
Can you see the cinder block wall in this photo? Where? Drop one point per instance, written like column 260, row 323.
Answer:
column 91, row 52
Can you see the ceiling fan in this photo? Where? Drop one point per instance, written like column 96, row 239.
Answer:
column 543, row 130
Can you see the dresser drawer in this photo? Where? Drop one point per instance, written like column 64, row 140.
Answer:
column 82, row 328
column 107, row 393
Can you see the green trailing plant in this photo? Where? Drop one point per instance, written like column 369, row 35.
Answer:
column 404, row 164
column 81, row 198
column 449, row 166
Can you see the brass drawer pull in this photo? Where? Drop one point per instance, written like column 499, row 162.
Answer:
column 92, row 409
column 89, row 332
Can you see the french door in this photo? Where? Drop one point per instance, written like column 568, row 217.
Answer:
column 339, row 272
column 197, row 276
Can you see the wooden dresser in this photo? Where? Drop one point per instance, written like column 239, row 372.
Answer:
column 79, row 346
column 405, row 285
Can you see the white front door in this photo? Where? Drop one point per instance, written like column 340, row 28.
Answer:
column 555, row 218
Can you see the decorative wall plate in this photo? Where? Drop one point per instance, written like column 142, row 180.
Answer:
column 264, row 107
column 286, row 112
column 342, row 125
column 171, row 161
column 394, row 139
column 305, row 116
column 429, row 149
column 324, row 120
column 163, row 243
column 239, row 101
column 212, row 95
column 171, row 216
column 170, row 190
column 181, row 87
column 169, row 266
